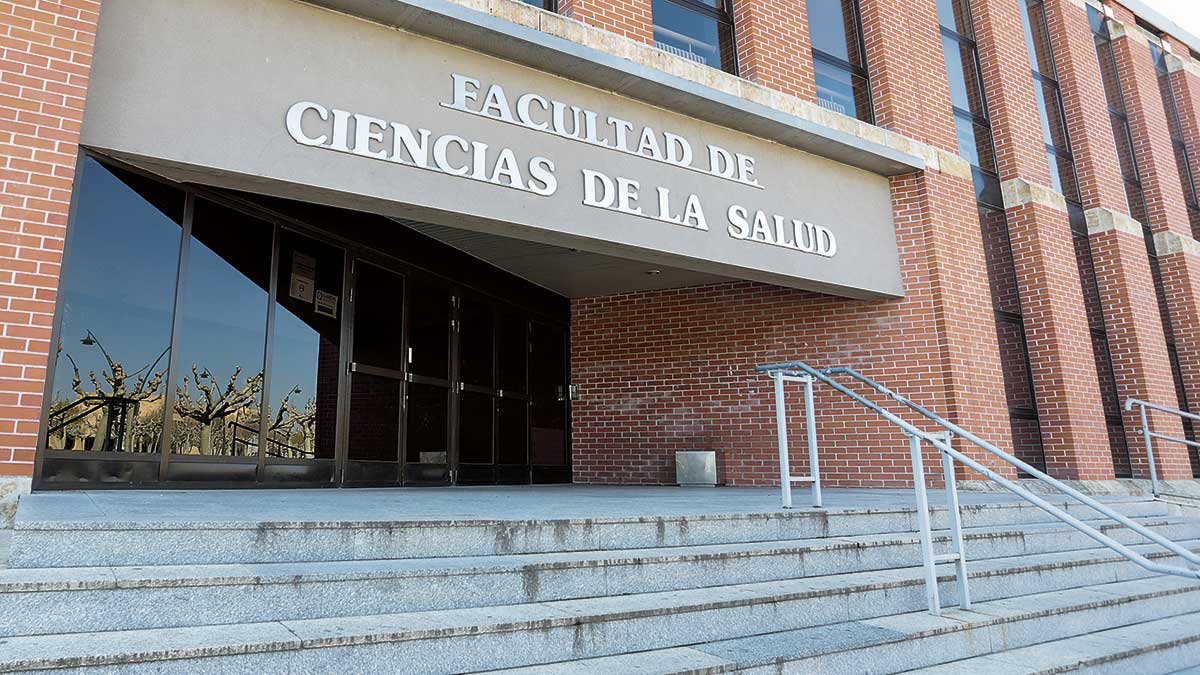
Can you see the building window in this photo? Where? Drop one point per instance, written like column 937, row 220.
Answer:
column 548, row 5
column 975, row 145
column 1064, row 179
column 838, row 58
column 698, row 30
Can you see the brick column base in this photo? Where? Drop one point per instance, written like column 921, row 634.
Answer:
column 1057, row 335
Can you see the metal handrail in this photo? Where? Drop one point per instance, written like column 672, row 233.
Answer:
column 799, row 369
column 1148, row 436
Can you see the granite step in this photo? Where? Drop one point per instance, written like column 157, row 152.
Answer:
column 480, row 638
column 1167, row 645
column 904, row 642
column 40, row 600
column 90, row 543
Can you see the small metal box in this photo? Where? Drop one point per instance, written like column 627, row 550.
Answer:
column 695, row 468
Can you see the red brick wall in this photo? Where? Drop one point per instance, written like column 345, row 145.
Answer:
column 630, row 18
column 45, row 56
column 674, row 370
column 773, row 46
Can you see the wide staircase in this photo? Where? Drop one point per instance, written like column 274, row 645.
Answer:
column 803, row 591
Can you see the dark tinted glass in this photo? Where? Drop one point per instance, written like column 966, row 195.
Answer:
column 427, row 424
column 512, row 350
column 223, row 333
column 512, row 432
column 548, row 383
column 693, row 34
column 374, row 419
column 475, row 427
column 118, row 291
column 378, row 317
column 476, row 342
column 429, row 330
column 302, row 402
column 548, row 5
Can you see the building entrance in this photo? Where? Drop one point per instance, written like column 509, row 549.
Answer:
column 274, row 342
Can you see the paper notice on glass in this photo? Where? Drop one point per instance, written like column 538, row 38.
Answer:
column 326, row 304
column 304, row 275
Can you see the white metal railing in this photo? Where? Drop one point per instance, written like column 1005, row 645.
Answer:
column 942, row 440
column 1148, row 435
column 785, row 470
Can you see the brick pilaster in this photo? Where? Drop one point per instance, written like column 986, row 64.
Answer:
column 908, row 83
column 630, row 18
column 1136, row 342
column 45, row 59
column 773, row 46
column 1166, row 212
column 1066, row 388
column 1184, row 75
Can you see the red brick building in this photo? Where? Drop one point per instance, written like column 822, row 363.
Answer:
column 1040, row 159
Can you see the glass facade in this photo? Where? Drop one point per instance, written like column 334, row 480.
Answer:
column 1062, row 171
column 203, row 339
column 839, row 59
column 699, row 30
column 975, row 145
column 1134, row 195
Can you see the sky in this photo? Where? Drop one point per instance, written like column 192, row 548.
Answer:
column 1184, row 12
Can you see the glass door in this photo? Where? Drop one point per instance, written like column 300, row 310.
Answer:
column 549, row 411
column 429, row 391
column 377, row 378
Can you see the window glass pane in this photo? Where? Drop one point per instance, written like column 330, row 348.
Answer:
column 965, row 92
column 841, row 91
column 693, row 35
column 831, row 25
column 378, row 316
column 428, row 418
column 475, row 425
column 302, row 402
column 476, row 340
column 547, row 5
column 429, row 330
column 1002, row 276
column 955, row 15
column 223, row 334
column 1037, row 39
column 975, row 142
column 512, row 350
column 375, row 418
column 118, row 291
column 547, row 381
column 512, row 422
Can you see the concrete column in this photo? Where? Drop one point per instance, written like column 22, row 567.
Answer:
column 630, row 18
column 1136, row 343
column 773, row 46
column 1057, row 334
column 1178, row 253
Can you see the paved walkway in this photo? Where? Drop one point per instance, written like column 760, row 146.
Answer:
column 449, row 503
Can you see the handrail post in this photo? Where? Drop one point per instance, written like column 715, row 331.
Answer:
column 810, row 420
column 1149, row 451
column 785, row 471
column 955, row 522
column 931, row 581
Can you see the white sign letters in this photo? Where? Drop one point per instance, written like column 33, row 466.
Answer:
column 313, row 124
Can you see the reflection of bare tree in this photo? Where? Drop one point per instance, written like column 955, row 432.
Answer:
column 115, row 394
column 211, row 403
column 293, row 431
